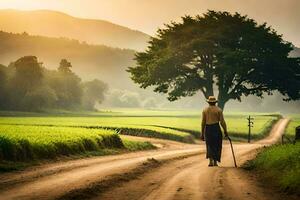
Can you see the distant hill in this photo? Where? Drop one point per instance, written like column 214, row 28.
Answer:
column 57, row 24
column 89, row 61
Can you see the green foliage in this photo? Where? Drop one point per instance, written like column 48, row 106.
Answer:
column 3, row 86
column 39, row 98
column 291, row 129
column 65, row 66
column 7, row 166
column 25, row 85
column 175, row 125
column 238, row 128
column 155, row 132
column 93, row 93
column 31, row 138
column 281, row 164
column 229, row 51
column 28, row 73
column 21, row 143
column 123, row 98
column 66, row 86
column 136, row 145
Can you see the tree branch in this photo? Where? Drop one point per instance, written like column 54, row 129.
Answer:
column 260, row 87
column 240, row 82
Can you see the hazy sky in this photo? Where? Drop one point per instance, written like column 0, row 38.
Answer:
column 148, row 15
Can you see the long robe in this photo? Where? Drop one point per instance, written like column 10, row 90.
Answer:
column 213, row 139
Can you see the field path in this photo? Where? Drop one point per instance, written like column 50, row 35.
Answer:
column 174, row 171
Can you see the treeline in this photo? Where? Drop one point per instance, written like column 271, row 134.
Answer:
column 26, row 85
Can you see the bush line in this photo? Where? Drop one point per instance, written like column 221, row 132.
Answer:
column 147, row 133
column 24, row 150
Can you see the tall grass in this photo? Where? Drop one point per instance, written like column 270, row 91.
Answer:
column 158, row 133
column 280, row 164
column 295, row 121
column 20, row 143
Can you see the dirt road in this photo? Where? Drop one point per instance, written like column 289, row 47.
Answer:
column 175, row 171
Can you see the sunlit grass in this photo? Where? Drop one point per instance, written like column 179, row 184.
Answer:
column 281, row 165
column 26, row 142
column 33, row 137
column 291, row 129
column 18, row 142
column 179, row 124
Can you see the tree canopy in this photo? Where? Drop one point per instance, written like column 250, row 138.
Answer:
column 65, row 66
column 94, row 92
column 26, row 85
column 219, row 51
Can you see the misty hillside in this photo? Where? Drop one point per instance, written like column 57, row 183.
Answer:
column 89, row 61
column 57, row 24
column 109, row 64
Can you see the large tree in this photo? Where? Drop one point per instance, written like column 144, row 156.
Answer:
column 66, row 85
column 3, row 83
column 93, row 92
column 65, row 66
column 228, row 53
column 26, row 76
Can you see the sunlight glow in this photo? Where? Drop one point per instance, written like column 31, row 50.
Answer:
column 147, row 16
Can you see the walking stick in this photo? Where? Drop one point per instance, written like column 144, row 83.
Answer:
column 232, row 151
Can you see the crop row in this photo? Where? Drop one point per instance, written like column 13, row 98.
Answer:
column 175, row 128
column 21, row 143
column 155, row 132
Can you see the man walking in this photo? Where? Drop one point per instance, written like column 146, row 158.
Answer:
column 212, row 116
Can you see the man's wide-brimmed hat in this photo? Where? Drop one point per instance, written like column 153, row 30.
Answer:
column 211, row 99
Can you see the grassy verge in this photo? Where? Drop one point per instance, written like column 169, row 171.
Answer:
column 295, row 121
column 21, row 143
column 156, row 132
column 137, row 145
column 7, row 166
column 24, row 145
column 279, row 165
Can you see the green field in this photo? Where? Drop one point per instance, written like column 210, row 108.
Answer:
column 161, row 124
column 20, row 143
column 138, row 126
column 29, row 142
column 34, row 136
column 295, row 121
column 280, row 165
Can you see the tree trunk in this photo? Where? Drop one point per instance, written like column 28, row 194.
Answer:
column 221, row 104
column 222, row 99
column 223, row 94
